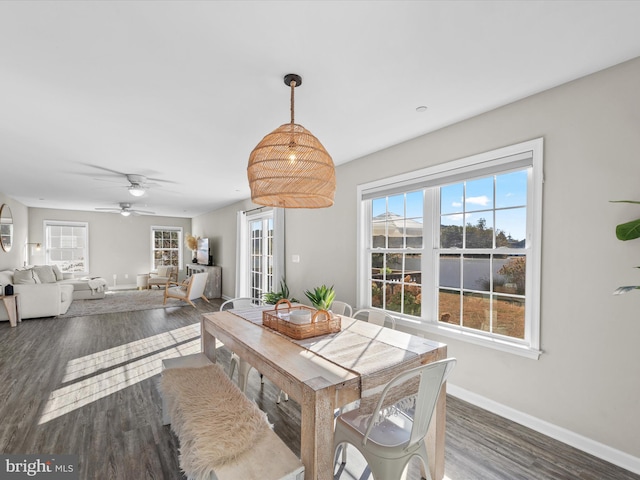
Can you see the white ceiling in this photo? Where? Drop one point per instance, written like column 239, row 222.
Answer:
column 182, row 91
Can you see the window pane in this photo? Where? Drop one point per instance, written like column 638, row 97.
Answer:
column 476, row 272
column 479, row 194
column 451, row 231
column 379, row 232
column 511, row 226
column 377, row 294
column 480, row 233
column 449, row 306
column 377, row 265
column 451, row 199
column 509, row 317
column 475, row 311
column 511, row 189
column 450, row 271
column 412, row 299
column 511, row 273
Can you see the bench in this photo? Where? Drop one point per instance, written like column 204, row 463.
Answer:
column 223, row 435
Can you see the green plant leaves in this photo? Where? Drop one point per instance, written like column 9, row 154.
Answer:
column 629, row 230
column 624, row 232
column 321, row 297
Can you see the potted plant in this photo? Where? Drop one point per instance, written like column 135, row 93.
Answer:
column 321, row 297
column 271, row 298
column 627, row 231
column 191, row 243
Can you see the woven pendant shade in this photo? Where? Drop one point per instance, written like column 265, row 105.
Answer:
column 290, row 168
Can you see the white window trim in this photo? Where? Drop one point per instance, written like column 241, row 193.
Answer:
column 66, row 223
column 494, row 159
column 152, row 243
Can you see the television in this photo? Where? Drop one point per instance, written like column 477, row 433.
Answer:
column 202, row 253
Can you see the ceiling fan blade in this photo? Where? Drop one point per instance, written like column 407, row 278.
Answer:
column 115, row 210
column 142, row 212
column 105, row 169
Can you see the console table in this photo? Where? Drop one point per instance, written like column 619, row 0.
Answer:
column 213, row 288
column 13, row 310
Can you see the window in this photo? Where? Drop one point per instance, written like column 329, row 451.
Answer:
column 456, row 247
column 67, row 246
column 166, row 247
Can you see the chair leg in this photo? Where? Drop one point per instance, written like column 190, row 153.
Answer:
column 205, row 299
column 232, row 364
column 281, row 394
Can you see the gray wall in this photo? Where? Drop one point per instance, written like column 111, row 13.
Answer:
column 117, row 245
column 586, row 381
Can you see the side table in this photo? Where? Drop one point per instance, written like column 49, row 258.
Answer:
column 11, row 303
column 142, row 281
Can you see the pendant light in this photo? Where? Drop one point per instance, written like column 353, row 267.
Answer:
column 290, row 168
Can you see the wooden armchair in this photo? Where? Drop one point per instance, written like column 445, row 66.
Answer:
column 163, row 275
column 189, row 290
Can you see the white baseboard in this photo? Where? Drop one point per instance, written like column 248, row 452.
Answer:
column 597, row 449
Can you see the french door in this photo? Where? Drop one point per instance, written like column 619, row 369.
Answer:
column 260, row 229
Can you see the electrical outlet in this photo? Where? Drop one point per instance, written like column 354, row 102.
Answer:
column 295, row 258
column 126, row 275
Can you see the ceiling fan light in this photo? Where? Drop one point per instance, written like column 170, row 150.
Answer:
column 136, row 190
column 125, row 213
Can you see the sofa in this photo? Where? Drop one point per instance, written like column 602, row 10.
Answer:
column 40, row 294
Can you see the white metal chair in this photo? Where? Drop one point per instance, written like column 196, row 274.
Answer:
column 190, row 290
column 341, row 308
column 375, row 316
column 243, row 373
column 389, row 440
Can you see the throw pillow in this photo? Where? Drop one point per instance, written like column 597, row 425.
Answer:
column 24, row 277
column 58, row 273
column 45, row 273
column 6, row 277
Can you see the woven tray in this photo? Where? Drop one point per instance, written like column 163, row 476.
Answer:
column 322, row 322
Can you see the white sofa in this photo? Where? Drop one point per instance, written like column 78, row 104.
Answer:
column 37, row 298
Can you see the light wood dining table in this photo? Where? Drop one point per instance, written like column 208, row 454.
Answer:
column 328, row 372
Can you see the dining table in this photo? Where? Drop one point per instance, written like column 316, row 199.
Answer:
column 328, row 372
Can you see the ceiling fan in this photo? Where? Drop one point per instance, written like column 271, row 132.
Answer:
column 125, row 210
column 138, row 184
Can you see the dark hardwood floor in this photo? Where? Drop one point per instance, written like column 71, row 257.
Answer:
column 89, row 386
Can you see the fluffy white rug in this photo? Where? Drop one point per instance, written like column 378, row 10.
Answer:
column 215, row 422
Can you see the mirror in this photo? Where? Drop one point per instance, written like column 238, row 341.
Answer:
column 6, row 227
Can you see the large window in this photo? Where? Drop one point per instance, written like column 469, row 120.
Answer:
column 67, row 246
column 166, row 246
column 456, row 248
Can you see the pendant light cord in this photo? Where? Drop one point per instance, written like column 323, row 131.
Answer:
column 293, row 87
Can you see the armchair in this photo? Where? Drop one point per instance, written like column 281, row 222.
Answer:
column 163, row 275
column 188, row 291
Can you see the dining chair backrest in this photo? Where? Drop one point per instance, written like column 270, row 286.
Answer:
column 240, row 302
column 341, row 308
column 377, row 317
column 432, row 376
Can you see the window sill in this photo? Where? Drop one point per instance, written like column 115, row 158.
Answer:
column 470, row 337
